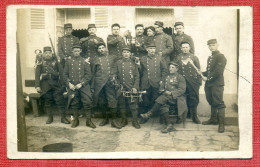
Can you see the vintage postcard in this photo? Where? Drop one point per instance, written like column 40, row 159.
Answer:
column 129, row 82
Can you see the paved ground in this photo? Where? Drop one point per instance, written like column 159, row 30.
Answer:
column 149, row 138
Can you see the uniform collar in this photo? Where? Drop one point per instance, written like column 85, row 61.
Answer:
column 140, row 35
column 215, row 52
column 180, row 35
column 93, row 35
column 68, row 35
column 150, row 56
column 126, row 60
column 76, row 58
column 161, row 33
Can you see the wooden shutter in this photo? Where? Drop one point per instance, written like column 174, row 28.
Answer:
column 101, row 17
column 190, row 17
column 37, row 18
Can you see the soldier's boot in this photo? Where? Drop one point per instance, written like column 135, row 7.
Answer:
column 124, row 121
column 179, row 120
column 221, row 116
column 105, row 118
column 89, row 123
column 114, row 124
column 147, row 115
column 169, row 127
column 63, row 117
column 50, row 115
column 195, row 119
column 213, row 118
column 75, row 120
column 161, row 120
column 135, row 122
column 189, row 114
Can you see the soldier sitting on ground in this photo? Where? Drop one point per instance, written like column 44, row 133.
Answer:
column 48, row 85
column 172, row 90
column 77, row 75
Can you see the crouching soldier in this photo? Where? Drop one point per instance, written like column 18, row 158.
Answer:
column 77, row 75
column 128, row 75
column 102, row 84
column 47, row 83
column 172, row 90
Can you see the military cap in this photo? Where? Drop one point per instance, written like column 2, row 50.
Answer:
column 126, row 48
column 68, row 25
column 211, row 41
column 91, row 26
column 151, row 28
column 184, row 42
column 139, row 25
column 76, row 46
column 178, row 24
column 151, row 45
column 173, row 63
column 101, row 43
column 115, row 25
column 159, row 23
column 46, row 48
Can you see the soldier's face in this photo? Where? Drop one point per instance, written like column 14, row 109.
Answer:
column 47, row 55
column 151, row 50
column 68, row 31
column 76, row 52
column 185, row 48
column 115, row 30
column 158, row 29
column 213, row 47
column 92, row 31
column 126, row 54
column 101, row 49
column 173, row 69
column 150, row 32
column 179, row 29
column 139, row 30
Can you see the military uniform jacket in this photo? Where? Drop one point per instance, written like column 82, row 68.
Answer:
column 115, row 44
column 164, row 44
column 188, row 71
column 140, row 50
column 89, row 47
column 215, row 68
column 77, row 71
column 178, row 39
column 65, row 44
column 176, row 84
column 47, row 76
column 102, row 71
column 153, row 70
column 127, row 73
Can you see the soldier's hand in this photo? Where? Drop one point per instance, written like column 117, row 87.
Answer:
column 38, row 89
column 134, row 90
column 72, row 87
column 95, row 41
column 204, row 78
column 167, row 92
column 78, row 86
column 87, row 60
column 82, row 40
column 160, row 53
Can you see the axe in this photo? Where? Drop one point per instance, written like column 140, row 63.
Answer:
column 191, row 62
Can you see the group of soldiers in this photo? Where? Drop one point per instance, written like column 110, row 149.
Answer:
column 157, row 73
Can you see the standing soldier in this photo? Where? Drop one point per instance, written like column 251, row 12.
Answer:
column 89, row 44
column 180, row 37
column 128, row 75
column 189, row 64
column 77, row 75
column 102, row 69
column 47, row 83
column 163, row 42
column 138, row 45
column 65, row 44
column 214, row 86
column 172, row 91
column 115, row 42
column 153, row 69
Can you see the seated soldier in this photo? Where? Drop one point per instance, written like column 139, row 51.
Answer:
column 172, row 90
column 47, row 83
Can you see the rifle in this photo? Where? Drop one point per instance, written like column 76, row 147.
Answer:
column 55, row 56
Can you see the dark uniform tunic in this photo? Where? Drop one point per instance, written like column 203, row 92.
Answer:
column 153, row 69
column 140, row 51
column 102, row 72
column 115, row 44
column 89, row 47
column 77, row 71
column 177, row 40
column 128, row 76
column 65, row 44
column 47, row 78
column 214, row 85
column 176, row 84
column 193, row 79
column 164, row 44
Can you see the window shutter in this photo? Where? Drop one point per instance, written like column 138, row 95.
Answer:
column 101, row 17
column 37, row 19
column 190, row 17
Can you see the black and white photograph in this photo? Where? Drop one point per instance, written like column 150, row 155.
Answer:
column 129, row 82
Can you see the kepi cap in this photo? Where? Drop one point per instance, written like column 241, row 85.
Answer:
column 101, row 43
column 47, row 48
column 151, row 45
column 173, row 63
column 179, row 23
column 211, row 41
column 126, row 48
column 91, row 26
column 159, row 23
column 76, row 46
column 68, row 25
